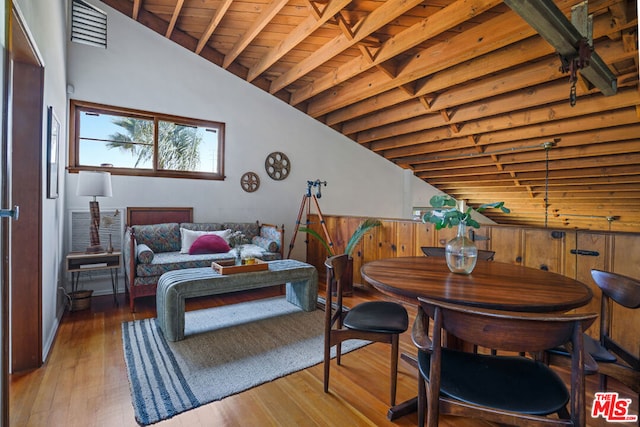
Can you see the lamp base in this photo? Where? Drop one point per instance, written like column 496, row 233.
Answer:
column 94, row 246
column 96, row 249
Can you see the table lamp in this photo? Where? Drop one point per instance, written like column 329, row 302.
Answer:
column 94, row 184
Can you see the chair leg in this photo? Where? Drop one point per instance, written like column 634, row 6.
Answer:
column 327, row 364
column 433, row 405
column 563, row 414
column 603, row 382
column 395, row 345
column 338, row 353
column 422, row 400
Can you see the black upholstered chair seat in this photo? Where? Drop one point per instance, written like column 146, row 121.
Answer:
column 509, row 383
column 377, row 316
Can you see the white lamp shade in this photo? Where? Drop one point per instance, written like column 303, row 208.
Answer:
column 94, row 184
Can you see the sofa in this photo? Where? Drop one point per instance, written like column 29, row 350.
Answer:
column 150, row 250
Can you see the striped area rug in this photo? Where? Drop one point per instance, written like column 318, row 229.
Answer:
column 227, row 350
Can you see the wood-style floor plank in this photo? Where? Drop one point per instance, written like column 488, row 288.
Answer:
column 84, row 381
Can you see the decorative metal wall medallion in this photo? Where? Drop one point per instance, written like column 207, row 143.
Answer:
column 277, row 165
column 250, row 182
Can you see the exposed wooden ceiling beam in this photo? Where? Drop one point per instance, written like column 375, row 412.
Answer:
column 587, row 162
column 448, row 17
column 551, row 109
column 302, row 31
column 215, row 20
column 137, row 4
column 524, row 131
column 174, row 18
column 491, row 36
column 537, row 73
column 388, row 11
column 577, row 155
column 408, row 155
column 265, row 17
column 484, row 38
column 624, row 173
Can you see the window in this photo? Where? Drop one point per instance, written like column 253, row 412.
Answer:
column 131, row 142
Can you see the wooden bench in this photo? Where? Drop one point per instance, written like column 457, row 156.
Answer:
column 175, row 286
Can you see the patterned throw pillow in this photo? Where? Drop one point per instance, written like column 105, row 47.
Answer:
column 209, row 244
column 265, row 243
column 144, row 254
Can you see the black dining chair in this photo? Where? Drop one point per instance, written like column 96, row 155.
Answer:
column 379, row 321
column 624, row 291
column 505, row 389
column 609, row 358
column 437, row 251
column 620, row 364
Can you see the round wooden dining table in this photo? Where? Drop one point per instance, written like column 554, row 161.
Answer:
column 491, row 285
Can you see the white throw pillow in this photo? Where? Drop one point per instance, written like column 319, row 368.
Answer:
column 190, row 236
column 251, row 250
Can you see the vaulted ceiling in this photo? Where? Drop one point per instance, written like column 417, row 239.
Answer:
column 464, row 93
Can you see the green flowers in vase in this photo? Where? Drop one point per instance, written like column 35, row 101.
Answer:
column 448, row 213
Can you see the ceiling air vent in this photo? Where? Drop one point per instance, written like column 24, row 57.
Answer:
column 88, row 24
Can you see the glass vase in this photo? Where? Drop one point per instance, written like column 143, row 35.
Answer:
column 461, row 253
column 238, row 253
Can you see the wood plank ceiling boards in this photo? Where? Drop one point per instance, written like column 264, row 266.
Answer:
column 464, row 93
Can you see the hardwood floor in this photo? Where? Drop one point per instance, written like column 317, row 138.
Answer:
column 84, row 381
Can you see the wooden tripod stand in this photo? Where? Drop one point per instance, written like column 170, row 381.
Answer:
column 306, row 202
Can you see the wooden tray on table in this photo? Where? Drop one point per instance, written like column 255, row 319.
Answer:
column 229, row 267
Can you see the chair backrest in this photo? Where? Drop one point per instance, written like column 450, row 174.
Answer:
column 335, row 266
column 622, row 290
column 436, row 251
column 519, row 332
column 502, row 330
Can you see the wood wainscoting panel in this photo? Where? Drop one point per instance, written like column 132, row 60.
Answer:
column 555, row 250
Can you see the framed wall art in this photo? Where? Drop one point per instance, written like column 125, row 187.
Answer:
column 53, row 141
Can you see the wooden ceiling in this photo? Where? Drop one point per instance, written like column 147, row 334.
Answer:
column 463, row 92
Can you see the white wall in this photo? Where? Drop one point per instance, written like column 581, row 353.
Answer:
column 141, row 69
column 46, row 22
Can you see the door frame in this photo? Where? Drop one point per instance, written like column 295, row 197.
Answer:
column 5, row 201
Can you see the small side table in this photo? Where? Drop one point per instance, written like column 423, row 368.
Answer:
column 77, row 262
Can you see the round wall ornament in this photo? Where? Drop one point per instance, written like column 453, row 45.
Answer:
column 277, row 165
column 250, row 182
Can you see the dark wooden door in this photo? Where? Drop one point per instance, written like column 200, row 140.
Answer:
column 27, row 116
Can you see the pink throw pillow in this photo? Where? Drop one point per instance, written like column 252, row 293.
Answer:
column 209, row 244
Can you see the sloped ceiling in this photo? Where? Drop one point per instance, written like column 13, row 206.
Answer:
column 464, row 93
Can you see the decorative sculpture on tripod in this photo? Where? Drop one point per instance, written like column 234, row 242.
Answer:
column 306, row 201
